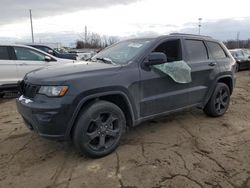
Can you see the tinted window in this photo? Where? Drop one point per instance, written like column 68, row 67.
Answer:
column 46, row 49
column 4, row 55
column 172, row 49
column 216, row 51
column 237, row 54
column 28, row 54
column 196, row 50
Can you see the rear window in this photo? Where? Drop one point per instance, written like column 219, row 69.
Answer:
column 216, row 50
column 4, row 55
column 196, row 50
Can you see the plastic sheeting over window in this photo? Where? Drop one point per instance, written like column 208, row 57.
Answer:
column 179, row 71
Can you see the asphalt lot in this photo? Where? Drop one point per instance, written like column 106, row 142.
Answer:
column 187, row 149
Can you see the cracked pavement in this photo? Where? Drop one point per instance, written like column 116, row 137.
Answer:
column 187, row 149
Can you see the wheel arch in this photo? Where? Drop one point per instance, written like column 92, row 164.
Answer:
column 226, row 79
column 118, row 98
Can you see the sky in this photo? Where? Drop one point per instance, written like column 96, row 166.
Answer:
column 64, row 20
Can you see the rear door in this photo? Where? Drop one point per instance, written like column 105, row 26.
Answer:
column 8, row 67
column 204, row 69
column 27, row 60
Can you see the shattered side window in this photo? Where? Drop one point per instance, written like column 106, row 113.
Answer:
column 179, row 71
column 176, row 68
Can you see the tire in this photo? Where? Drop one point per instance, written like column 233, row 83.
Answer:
column 237, row 69
column 219, row 101
column 99, row 129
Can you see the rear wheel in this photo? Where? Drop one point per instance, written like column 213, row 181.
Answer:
column 219, row 101
column 99, row 129
column 237, row 69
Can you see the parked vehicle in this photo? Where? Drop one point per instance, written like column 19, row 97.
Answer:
column 92, row 103
column 17, row 60
column 84, row 54
column 53, row 52
column 242, row 58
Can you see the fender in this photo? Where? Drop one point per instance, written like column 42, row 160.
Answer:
column 211, row 90
column 132, row 109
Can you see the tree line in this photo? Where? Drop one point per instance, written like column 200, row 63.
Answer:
column 231, row 44
column 95, row 40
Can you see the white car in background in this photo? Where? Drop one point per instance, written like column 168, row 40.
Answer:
column 17, row 60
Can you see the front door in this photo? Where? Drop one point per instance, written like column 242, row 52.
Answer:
column 160, row 93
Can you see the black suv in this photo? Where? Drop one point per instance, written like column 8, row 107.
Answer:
column 93, row 102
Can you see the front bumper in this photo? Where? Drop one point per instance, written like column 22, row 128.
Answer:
column 47, row 118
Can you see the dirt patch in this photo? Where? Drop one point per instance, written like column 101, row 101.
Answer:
column 186, row 149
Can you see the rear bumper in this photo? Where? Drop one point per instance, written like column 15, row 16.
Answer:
column 49, row 120
column 244, row 65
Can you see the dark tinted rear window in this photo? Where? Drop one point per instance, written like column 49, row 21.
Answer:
column 4, row 55
column 216, row 50
column 196, row 50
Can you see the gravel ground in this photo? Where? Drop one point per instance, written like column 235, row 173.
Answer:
column 187, row 149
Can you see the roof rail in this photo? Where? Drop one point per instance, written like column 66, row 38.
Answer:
column 186, row 34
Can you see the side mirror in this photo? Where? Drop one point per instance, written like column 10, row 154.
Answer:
column 47, row 58
column 156, row 58
column 50, row 52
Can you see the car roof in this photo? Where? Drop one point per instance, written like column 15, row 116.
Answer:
column 13, row 44
column 176, row 35
column 41, row 45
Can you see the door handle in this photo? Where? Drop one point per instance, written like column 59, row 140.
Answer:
column 212, row 64
column 23, row 64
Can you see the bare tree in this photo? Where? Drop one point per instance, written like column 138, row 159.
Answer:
column 231, row 44
column 95, row 40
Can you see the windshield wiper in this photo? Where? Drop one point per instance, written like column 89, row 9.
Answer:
column 105, row 60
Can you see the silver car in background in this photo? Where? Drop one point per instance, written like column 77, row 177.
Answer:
column 17, row 60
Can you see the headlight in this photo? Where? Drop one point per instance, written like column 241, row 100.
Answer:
column 53, row 91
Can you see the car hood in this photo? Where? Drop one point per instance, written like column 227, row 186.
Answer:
column 64, row 72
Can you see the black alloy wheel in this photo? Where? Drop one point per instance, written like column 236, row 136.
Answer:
column 99, row 129
column 219, row 101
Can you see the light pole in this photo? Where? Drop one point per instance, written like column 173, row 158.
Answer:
column 31, row 25
column 238, row 39
column 199, row 25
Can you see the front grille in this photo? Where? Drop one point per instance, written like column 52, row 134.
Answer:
column 28, row 90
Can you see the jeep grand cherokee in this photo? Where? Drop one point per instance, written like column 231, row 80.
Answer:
column 91, row 103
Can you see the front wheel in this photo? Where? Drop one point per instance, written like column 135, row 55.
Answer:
column 219, row 101
column 99, row 129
